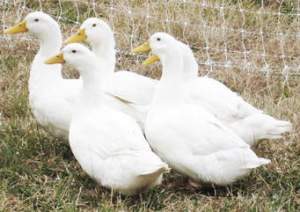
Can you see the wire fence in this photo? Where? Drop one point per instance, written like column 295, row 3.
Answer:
column 253, row 36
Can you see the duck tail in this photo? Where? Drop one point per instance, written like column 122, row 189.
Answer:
column 153, row 176
column 149, row 164
column 261, row 126
column 256, row 163
column 163, row 168
column 268, row 127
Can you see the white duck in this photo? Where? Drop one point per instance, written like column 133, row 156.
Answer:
column 108, row 144
column 50, row 96
column 52, row 105
column 186, row 136
column 248, row 122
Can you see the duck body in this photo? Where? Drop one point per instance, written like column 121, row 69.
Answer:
column 131, row 86
column 200, row 147
column 250, row 123
column 209, row 92
column 189, row 138
column 108, row 144
column 110, row 147
column 50, row 96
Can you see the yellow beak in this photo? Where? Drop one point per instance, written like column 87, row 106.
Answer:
column 145, row 47
column 80, row 36
column 151, row 59
column 18, row 28
column 56, row 59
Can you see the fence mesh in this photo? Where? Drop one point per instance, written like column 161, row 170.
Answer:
column 253, row 36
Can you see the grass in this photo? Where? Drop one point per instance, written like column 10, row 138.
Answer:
column 39, row 172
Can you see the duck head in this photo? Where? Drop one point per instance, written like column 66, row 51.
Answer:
column 162, row 46
column 40, row 24
column 75, row 54
column 93, row 31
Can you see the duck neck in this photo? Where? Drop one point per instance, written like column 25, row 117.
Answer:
column 40, row 73
column 190, row 68
column 50, row 42
column 170, row 90
column 107, row 53
column 92, row 82
column 190, row 64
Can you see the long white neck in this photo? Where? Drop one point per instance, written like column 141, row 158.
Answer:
column 107, row 53
column 50, row 42
column 93, row 77
column 42, row 75
column 170, row 90
column 190, row 64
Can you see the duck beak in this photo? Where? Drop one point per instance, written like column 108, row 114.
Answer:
column 151, row 59
column 18, row 28
column 56, row 59
column 80, row 36
column 145, row 47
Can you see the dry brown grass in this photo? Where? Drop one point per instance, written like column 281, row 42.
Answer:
column 38, row 171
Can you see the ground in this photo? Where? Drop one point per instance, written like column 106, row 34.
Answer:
column 38, row 171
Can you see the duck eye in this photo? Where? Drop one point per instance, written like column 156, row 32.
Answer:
column 94, row 25
column 74, row 51
column 36, row 20
column 158, row 39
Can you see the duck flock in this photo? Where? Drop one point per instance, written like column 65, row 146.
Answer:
column 127, row 130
